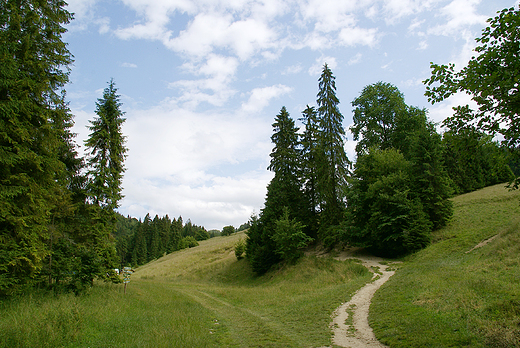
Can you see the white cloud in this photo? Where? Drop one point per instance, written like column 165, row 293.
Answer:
column 174, row 160
column 208, row 32
column 129, row 65
column 352, row 36
column 416, row 23
column 84, row 14
column 293, row 69
column 440, row 111
column 260, row 97
column 397, row 9
column 460, row 15
column 317, row 68
column 215, row 88
column 356, row 59
column 422, row 45
column 221, row 201
column 329, row 15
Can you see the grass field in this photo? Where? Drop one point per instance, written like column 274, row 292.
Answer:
column 449, row 295
column 446, row 295
column 199, row 297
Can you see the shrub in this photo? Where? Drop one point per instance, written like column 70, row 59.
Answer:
column 290, row 238
column 188, row 242
column 240, row 248
column 228, row 230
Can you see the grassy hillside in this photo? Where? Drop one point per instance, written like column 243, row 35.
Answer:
column 451, row 295
column 199, row 297
column 448, row 295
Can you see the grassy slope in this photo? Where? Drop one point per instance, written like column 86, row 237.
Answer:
column 445, row 296
column 203, row 297
column 200, row 297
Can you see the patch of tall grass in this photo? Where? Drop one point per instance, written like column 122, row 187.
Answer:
column 449, row 295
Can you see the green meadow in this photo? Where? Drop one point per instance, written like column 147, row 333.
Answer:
column 451, row 295
column 199, row 297
column 447, row 295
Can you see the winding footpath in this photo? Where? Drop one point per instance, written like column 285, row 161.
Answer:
column 350, row 323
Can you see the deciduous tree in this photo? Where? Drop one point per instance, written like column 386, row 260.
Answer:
column 491, row 77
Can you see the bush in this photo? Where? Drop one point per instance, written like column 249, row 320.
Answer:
column 228, row 230
column 290, row 238
column 240, row 248
column 188, row 242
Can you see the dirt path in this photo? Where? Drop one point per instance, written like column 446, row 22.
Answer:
column 350, row 323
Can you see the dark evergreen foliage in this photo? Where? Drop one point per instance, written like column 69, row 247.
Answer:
column 34, row 137
column 140, row 242
column 332, row 165
column 389, row 209
column 106, row 149
column 310, row 156
column 283, row 192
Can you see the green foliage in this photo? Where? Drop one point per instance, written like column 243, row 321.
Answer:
column 400, row 186
column 473, row 159
column 333, row 164
column 34, row 136
column 376, row 114
column 385, row 214
column 430, row 181
column 243, row 227
column 197, row 232
column 310, row 157
column 228, row 230
column 284, row 190
column 290, row 238
column 204, row 293
column 240, row 249
column 141, row 242
column 106, row 149
column 490, row 77
column 260, row 247
column 383, row 120
column 188, row 242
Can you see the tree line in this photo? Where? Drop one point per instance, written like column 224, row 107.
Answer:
column 139, row 242
column 397, row 191
column 57, row 209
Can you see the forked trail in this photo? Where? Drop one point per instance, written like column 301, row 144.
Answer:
column 350, row 323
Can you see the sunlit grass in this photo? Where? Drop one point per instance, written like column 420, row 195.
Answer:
column 200, row 297
column 449, row 296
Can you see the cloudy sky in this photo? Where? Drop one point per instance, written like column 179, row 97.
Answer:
column 202, row 80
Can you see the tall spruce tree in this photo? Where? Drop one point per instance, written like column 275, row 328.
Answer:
column 333, row 165
column 283, row 192
column 310, row 156
column 34, row 123
column 106, row 147
column 106, row 153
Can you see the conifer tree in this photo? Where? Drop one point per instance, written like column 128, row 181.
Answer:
column 34, row 129
column 310, row 156
column 106, row 147
column 282, row 192
column 333, row 165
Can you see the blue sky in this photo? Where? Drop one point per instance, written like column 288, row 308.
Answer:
column 201, row 82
